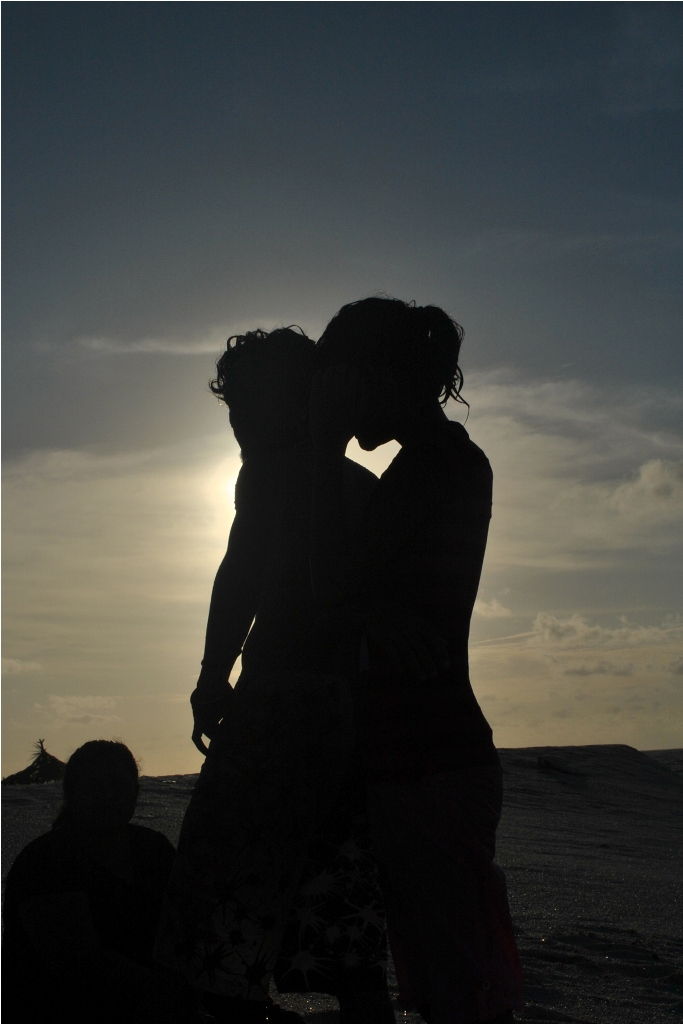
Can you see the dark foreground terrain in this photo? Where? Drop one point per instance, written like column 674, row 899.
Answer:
column 592, row 844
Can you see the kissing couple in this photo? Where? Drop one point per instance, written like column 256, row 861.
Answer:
column 351, row 788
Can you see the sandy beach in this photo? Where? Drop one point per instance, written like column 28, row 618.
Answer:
column 592, row 843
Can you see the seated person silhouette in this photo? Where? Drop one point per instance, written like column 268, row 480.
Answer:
column 274, row 875
column 434, row 778
column 82, row 904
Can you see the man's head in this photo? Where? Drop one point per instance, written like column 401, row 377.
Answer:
column 408, row 355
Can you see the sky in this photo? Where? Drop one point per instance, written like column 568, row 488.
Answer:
column 177, row 172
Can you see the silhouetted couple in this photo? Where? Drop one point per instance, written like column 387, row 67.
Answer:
column 350, row 772
column 351, row 767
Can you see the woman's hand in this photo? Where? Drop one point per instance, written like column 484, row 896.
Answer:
column 209, row 701
column 207, row 718
column 410, row 642
column 338, row 402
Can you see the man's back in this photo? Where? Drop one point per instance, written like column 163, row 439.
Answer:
column 426, row 531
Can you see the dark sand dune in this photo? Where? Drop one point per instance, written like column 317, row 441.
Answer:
column 592, row 843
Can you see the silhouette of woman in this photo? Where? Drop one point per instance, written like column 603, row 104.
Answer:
column 274, row 873
column 435, row 782
column 82, row 905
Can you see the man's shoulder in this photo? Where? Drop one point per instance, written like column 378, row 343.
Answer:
column 437, row 477
column 464, row 448
column 456, row 458
column 452, row 451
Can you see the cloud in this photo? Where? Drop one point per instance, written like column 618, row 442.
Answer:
column 600, row 668
column 541, row 693
column 675, row 667
column 576, row 631
column 583, row 477
column 17, row 667
column 212, row 341
column 492, row 609
column 86, row 710
column 534, row 247
column 155, row 346
column 657, row 489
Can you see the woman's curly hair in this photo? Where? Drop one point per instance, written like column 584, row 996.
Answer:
column 417, row 344
column 297, row 344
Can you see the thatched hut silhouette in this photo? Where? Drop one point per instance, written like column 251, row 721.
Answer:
column 43, row 768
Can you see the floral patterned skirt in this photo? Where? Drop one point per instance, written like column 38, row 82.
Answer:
column 273, row 871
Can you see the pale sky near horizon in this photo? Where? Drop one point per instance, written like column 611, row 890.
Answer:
column 175, row 173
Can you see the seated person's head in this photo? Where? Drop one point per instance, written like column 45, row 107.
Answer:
column 100, row 786
column 407, row 353
column 265, row 379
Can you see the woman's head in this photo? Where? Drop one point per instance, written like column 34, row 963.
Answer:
column 264, row 377
column 408, row 354
column 100, row 784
